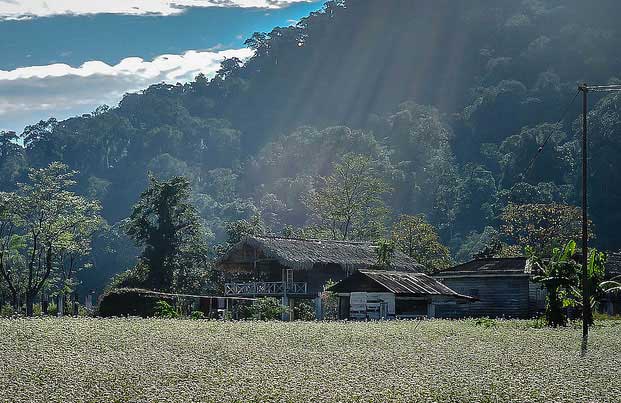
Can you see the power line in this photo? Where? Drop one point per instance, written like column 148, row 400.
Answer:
column 542, row 146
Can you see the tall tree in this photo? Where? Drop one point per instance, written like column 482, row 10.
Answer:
column 50, row 220
column 166, row 224
column 543, row 227
column 349, row 202
column 414, row 236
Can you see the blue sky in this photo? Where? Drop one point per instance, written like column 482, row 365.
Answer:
column 65, row 57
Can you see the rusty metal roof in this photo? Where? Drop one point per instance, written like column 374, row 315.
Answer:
column 400, row 283
column 489, row 266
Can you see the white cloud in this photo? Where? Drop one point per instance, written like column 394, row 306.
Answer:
column 21, row 9
column 28, row 94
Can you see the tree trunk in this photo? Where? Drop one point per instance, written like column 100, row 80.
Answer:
column 29, row 304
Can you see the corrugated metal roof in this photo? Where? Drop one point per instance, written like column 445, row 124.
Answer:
column 410, row 283
column 491, row 266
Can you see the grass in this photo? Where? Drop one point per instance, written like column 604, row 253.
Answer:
column 151, row 360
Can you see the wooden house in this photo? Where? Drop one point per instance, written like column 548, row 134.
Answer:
column 296, row 269
column 611, row 303
column 504, row 288
column 381, row 294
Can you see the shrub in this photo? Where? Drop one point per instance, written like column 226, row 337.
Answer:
column 132, row 278
column 130, row 302
column 304, row 310
column 197, row 315
column 267, row 309
column 6, row 311
column 165, row 310
column 485, row 322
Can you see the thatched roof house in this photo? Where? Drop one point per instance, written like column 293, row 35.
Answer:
column 294, row 269
column 305, row 254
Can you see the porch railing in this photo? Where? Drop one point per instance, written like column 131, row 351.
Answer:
column 264, row 288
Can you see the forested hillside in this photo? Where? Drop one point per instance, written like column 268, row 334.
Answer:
column 449, row 101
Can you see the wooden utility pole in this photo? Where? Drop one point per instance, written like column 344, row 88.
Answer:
column 586, row 304
column 586, row 300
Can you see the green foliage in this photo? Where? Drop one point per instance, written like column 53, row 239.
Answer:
column 596, row 271
column 6, row 311
column 415, row 237
column 304, row 311
column 254, row 139
column 349, row 202
column 486, row 322
column 385, row 250
column 167, row 226
column 542, row 227
column 197, row 315
column 129, row 302
column 267, row 308
column 164, row 310
column 557, row 274
column 50, row 227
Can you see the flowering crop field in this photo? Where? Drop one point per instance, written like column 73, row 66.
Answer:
column 156, row 360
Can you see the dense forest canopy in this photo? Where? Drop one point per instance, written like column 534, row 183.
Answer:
column 448, row 100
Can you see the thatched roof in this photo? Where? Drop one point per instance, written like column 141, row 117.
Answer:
column 304, row 254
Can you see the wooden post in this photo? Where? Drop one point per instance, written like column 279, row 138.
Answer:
column 586, row 305
column 285, row 298
column 60, row 306
column 318, row 307
column 431, row 309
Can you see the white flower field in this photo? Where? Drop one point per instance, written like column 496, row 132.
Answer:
column 156, row 360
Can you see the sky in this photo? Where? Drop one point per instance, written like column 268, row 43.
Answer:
column 62, row 58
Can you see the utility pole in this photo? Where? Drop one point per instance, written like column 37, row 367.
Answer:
column 586, row 300
column 586, row 304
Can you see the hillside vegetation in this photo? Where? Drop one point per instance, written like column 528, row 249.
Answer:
column 450, row 100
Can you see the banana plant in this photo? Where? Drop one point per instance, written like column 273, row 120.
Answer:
column 557, row 274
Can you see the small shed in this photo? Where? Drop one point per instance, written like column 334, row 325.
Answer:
column 503, row 286
column 380, row 294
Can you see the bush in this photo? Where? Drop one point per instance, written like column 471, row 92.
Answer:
column 197, row 315
column 130, row 302
column 267, row 309
column 304, row 310
column 132, row 278
column 485, row 322
column 165, row 310
column 6, row 311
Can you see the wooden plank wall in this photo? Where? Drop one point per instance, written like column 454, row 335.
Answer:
column 498, row 297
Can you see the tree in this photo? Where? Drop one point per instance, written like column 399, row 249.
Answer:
column 51, row 222
column 561, row 275
column 349, row 202
column 557, row 274
column 415, row 237
column 541, row 226
column 596, row 270
column 10, row 245
column 385, row 250
column 167, row 226
column 12, row 160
